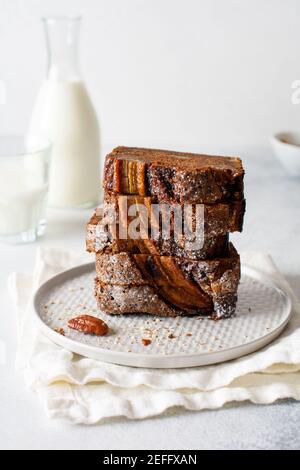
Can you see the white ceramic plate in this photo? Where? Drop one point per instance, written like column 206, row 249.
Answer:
column 263, row 311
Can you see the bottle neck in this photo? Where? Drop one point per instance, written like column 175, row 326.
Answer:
column 62, row 37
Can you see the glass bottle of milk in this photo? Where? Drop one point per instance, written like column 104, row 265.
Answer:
column 63, row 113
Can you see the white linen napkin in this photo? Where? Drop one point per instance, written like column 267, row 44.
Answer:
column 82, row 390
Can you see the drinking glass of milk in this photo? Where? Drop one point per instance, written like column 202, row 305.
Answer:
column 64, row 114
column 24, row 164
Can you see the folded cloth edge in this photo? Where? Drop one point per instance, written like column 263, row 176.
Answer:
column 89, row 371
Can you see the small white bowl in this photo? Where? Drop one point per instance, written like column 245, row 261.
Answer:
column 286, row 146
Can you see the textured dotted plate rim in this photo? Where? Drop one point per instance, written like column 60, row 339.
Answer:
column 158, row 360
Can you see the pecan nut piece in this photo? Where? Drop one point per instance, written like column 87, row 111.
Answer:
column 88, row 324
column 146, row 341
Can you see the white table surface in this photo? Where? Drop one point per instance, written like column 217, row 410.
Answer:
column 272, row 225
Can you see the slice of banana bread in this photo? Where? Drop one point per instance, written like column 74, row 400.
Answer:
column 142, row 269
column 100, row 239
column 174, row 176
column 168, row 302
column 185, row 285
column 219, row 218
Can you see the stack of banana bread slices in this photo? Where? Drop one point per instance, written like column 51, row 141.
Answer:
column 143, row 268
